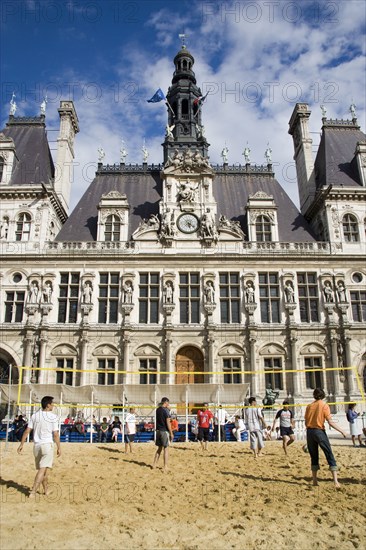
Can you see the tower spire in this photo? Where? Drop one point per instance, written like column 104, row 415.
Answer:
column 185, row 115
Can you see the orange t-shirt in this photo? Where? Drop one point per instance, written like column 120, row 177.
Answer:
column 174, row 424
column 316, row 414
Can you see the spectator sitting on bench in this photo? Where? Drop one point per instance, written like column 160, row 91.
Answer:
column 68, row 424
column 239, row 427
column 79, row 423
column 116, row 428
column 19, row 427
column 103, row 431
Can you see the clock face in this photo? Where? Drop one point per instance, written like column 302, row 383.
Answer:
column 188, row 223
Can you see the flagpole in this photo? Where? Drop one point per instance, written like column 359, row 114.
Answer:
column 201, row 103
column 167, row 103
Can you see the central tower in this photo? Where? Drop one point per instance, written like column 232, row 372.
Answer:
column 185, row 129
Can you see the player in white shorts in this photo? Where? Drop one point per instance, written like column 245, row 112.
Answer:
column 45, row 426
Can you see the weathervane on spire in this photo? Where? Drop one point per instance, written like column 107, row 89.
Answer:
column 183, row 37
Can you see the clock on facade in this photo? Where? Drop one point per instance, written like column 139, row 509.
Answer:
column 188, row 223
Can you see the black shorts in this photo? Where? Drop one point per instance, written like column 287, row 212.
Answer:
column 203, row 434
column 129, row 438
column 286, row 431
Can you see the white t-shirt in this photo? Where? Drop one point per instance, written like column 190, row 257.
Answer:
column 43, row 424
column 252, row 416
column 130, row 422
column 239, row 424
column 221, row 416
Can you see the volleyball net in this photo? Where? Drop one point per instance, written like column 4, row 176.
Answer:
column 184, row 395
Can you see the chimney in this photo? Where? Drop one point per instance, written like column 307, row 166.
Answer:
column 69, row 127
column 303, row 157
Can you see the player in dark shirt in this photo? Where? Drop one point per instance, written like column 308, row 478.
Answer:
column 163, row 433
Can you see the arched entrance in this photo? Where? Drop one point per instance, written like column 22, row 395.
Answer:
column 189, row 366
column 5, row 373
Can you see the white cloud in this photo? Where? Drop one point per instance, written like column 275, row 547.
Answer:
column 317, row 59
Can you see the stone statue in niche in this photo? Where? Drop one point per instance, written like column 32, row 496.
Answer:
column 289, row 293
column 341, row 291
column 87, row 293
column 249, row 292
column 4, row 228
column 328, row 292
column 168, row 292
column 127, row 292
column 33, row 293
column 209, row 292
column 47, row 293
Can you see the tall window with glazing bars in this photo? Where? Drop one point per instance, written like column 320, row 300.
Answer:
column 269, row 295
column 308, row 297
column 189, row 298
column 108, row 298
column 68, row 298
column 229, row 297
column 149, row 294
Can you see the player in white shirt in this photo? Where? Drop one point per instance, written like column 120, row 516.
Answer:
column 45, row 426
column 130, row 429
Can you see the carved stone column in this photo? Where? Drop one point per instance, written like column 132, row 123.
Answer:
column 43, row 375
column 126, row 356
column 334, row 358
column 210, row 343
column 84, row 376
column 296, row 375
column 349, row 375
column 167, row 378
column 27, row 356
column 253, row 378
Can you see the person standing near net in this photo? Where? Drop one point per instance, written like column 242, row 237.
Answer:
column 315, row 416
column 287, row 424
column 130, row 429
column 163, row 433
column 45, row 426
column 255, row 423
column 205, row 420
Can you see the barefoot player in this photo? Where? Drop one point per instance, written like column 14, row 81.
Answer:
column 44, row 424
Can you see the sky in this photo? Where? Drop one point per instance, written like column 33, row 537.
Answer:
column 257, row 58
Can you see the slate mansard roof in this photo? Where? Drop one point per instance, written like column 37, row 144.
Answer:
column 144, row 192
column 335, row 163
column 33, row 162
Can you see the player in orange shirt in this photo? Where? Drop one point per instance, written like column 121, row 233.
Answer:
column 315, row 416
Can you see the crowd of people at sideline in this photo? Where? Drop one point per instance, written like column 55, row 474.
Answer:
column 205, row 426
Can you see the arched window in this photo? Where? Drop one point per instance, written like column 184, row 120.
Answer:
column 263, row 229
column 350, row 229
column 22, row 232
column 185, row 107
column 112, row 230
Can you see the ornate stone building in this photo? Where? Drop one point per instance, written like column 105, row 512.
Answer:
column 185, row 272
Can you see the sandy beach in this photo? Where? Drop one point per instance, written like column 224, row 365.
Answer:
column 101, row 498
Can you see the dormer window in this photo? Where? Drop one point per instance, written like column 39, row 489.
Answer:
column 112, row 231
column 113, row 217
column 23, row 228
column 350, row 229
column 263, row 229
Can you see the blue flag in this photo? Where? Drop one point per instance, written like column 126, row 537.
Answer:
column 158, row 96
